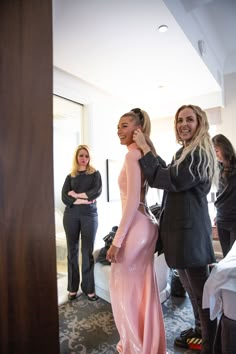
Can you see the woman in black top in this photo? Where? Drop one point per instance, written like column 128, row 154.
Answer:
column 185, row 226
column 226, row 195
column 79, row 193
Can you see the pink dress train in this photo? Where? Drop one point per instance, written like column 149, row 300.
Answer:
column 134, row 292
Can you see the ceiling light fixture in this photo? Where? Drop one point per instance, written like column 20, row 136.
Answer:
column 163, row 28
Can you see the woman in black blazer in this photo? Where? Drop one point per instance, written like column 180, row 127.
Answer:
column 185, row 226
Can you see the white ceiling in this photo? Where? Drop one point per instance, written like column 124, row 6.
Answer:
column 115, row 45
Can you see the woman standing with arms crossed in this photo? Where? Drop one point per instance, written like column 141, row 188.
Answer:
column 226, row 195
column 134, row 293
column 79, row 193
column 185, row 226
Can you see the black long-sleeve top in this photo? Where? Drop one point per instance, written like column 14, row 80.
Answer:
column 91, row 184
column 226, row 198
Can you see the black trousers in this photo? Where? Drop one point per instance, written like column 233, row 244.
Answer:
column 78, row 227
column 196, row 278
column 226, row 336
column 227, row 236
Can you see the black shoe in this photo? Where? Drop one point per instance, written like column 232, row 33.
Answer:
column 186, row 337
column 72, row 296
column 92, row 298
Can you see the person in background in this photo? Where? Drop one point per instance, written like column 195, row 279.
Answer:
column 134, row 292
column 185, row 225
column 79, row 193
column 226, row 194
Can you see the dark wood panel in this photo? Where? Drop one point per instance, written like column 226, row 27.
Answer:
column 28, row 294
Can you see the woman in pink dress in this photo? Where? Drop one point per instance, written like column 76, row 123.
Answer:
column 134, row 292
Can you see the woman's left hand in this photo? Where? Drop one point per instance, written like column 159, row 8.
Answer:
column 72, row 194
column 77, row 195
column 83, row 201
column 112, row 254
column 82, row 195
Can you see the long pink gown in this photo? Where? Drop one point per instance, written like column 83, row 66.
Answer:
column 134, row 292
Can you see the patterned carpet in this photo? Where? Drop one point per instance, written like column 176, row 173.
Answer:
column 88, row 327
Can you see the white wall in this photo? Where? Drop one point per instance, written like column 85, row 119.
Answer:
column 228, row 113
column 67, row 127
column 223, row 118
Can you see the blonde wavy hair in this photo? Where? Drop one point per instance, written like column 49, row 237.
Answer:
column 207, row 167
column 75, row 166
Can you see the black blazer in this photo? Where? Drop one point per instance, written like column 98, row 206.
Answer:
column 185, row 226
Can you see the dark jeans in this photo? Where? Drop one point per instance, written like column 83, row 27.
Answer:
column 195, row 279
column 77, row 226
column 227, row 236
column 226, row 337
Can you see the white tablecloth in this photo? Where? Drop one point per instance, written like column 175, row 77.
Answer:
column 219, row 293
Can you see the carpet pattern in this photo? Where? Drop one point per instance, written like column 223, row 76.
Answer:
column 88, row 327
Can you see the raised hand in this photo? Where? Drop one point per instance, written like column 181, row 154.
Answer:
column 142, row 141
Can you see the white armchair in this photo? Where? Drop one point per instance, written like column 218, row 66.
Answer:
column 102, row 275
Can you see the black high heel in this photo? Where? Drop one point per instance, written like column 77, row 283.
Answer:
column 93, row 298
column 72, row 296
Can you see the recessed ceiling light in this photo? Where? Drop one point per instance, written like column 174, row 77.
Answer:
column 163, row 28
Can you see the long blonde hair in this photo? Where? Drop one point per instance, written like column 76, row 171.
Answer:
column 75, row 166
column 207, row 167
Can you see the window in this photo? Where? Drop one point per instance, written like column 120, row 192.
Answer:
column 67, row 135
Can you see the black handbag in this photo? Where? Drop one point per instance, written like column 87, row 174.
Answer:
column 109, row 238
column 103, row 251
column 156, row 211
column 176, row 287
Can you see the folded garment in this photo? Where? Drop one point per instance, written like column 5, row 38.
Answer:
column 222, row 277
